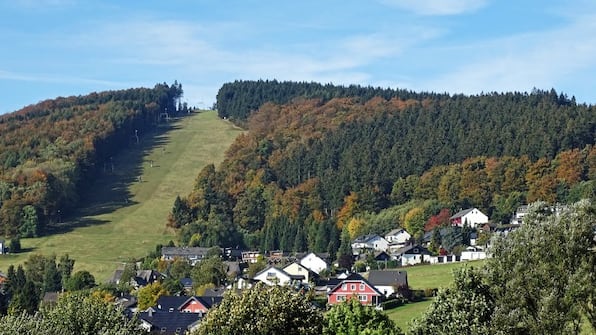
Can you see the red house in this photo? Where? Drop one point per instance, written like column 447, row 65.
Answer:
column 354, row 287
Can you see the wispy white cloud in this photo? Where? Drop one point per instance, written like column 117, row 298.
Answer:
column 522, row 62
column 55, row 79
column 192, row 52
column 437, row 7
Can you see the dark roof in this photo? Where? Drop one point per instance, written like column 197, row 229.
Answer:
column 174, row 303
column 170, row 322
column 382, row 255
column 170, row 302
column 355, row 277
column 365, row 238
column 214, row 292
column 388, row 278
column 186, row 282
column 410, row 249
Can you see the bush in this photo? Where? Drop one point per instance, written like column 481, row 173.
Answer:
column 391, row 304
column 417, row 295
column 430, row 292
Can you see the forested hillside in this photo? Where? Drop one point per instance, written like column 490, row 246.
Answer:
column 50, row 151
column 238, row 100
column 309, row 168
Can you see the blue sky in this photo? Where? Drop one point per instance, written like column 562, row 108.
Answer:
column 54, row 48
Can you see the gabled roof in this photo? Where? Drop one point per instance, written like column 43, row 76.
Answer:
column 208, row 302
column 366, row 238
column 214, row 292
column 396, row 231
column 388, row 278
column 461, row 213
column 271, row 267
column 175, row 303
column 186, row 282
column 169, row 322
column 352, row 277
column 408, row 250
column 324, row 256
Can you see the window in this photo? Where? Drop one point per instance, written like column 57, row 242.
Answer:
column 353, row 287
column 344, row 287
column 341, row 298
column 361, row 287
column 362, row 297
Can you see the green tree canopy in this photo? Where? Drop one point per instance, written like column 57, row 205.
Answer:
column 352, row 318
column 263, row 311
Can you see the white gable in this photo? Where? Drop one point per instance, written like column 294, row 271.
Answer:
column 313, row 263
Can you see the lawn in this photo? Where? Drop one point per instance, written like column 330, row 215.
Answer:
column 124, row 213
column 425, row 276
column 403, row 315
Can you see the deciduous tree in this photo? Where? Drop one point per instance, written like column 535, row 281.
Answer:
column 352, row 318
column 263, row 311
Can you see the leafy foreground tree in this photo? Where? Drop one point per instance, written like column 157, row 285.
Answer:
column 74, row 314
column 263, row 311
column 352, row 318
column 543, row 274
column 540, row 280
column 465, row 308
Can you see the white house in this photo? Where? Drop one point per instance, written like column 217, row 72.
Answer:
column 387, row 281
column 2, row 246
column 518, row 217
column 471, row 216
column 296, row 269
column 369, row 242
column 398, row 236
column 314, row 263
column 413, row 254
column 274, row 276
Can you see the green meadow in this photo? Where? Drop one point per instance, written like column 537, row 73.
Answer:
column 123, row 214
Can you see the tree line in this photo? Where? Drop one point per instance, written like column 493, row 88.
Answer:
column 307, row 169
column 51, row 151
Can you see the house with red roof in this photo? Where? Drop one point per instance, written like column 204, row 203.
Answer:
column 354, row 286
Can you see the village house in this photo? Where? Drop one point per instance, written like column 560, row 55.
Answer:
column 250, row 257
column 398, row 236
column 412, row 255
column 354, row 286
column 296, row 269
column 369, row 242
column 388, row 282
column 176, row 314
column 472, row 217
column 275, row 276
column 191, row 254
column 518, row 216
column 315, row 262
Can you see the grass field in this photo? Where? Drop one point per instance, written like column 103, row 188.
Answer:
column 403, row 315
column 421, row 277
column 123, row 216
